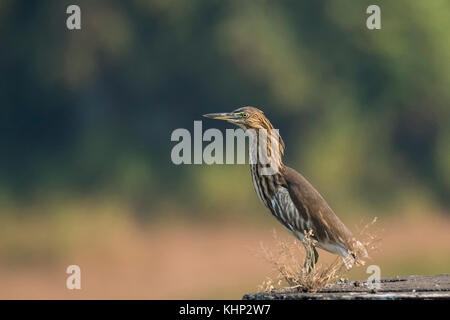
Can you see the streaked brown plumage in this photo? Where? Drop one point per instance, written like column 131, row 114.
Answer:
column 290, row 197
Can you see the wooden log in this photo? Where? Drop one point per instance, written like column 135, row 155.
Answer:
column 399, row 288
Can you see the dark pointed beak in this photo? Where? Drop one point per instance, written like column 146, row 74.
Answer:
column 221, row 116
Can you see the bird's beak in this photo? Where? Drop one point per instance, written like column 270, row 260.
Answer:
column 221, row 116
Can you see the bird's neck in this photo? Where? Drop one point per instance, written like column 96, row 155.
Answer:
column 266, row 149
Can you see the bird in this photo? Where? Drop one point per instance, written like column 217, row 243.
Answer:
column 290, row 197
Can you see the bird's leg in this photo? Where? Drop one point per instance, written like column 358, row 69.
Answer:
column 308, row 265
column 316, row 256
column 311, row 259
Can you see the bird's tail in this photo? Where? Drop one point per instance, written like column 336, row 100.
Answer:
column 355, row 255
column 359, row 250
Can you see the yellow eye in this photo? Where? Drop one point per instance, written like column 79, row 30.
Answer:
column 244, row 115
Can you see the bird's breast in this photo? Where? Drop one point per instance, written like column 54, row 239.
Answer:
column 258, row 185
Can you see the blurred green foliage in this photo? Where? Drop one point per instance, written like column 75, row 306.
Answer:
column 365, row 114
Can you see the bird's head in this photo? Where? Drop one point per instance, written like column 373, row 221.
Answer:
column 248, row 118
column 245, row 118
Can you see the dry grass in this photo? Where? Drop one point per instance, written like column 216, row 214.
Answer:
column 288, row 263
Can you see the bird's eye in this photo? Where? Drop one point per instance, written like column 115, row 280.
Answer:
column 244, row 115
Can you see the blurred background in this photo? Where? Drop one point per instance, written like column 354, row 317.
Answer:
column 86, row 176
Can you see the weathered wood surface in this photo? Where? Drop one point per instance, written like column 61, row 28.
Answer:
column 400, row 288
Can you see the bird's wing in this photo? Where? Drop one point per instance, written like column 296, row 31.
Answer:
column 331, row 233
